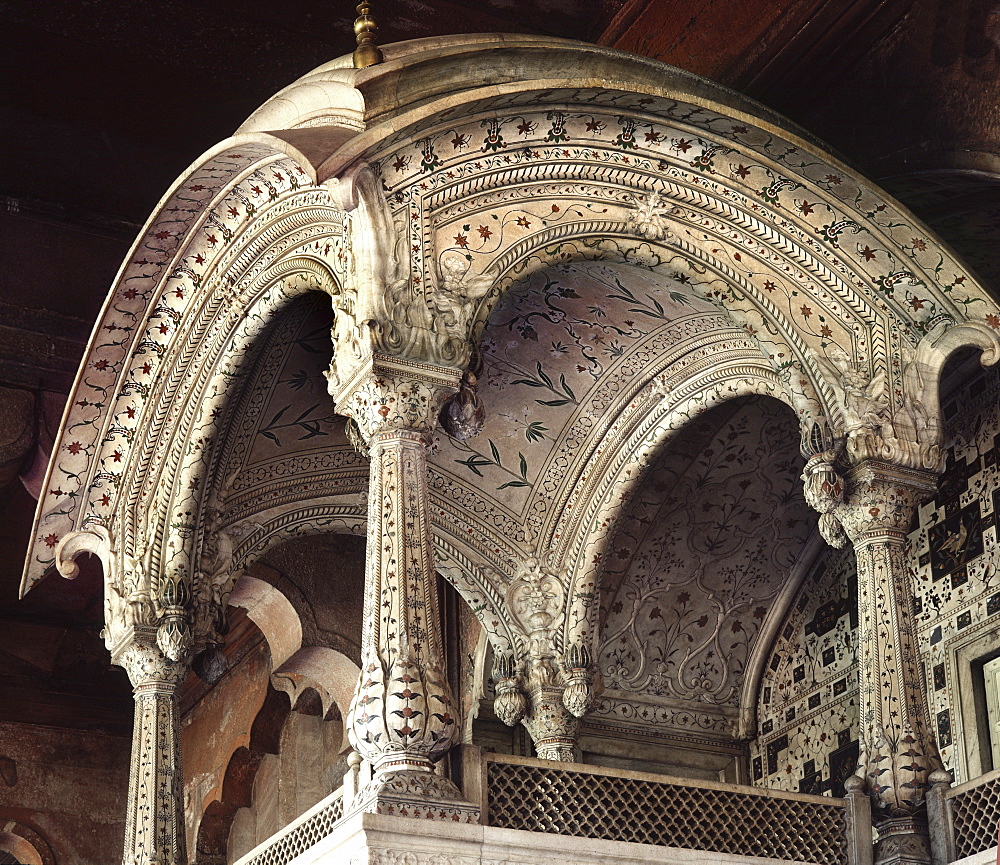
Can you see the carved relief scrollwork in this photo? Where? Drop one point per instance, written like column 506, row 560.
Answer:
column 213, row 579
column 872, row 427
column 127, row 599
column 394, row 306
column 536, row 599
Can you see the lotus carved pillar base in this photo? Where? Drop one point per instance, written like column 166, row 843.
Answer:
column 402, row 717
column 898, row 751
column 154, row 822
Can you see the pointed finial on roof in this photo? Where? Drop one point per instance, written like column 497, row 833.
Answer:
column 367, row 53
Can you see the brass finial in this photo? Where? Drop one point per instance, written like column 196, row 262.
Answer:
column 367, row 53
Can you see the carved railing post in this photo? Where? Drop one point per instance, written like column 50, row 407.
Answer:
column 941, row 819
column 858, row 817
column 154, row 822
column 402, row 716
column 875, row 505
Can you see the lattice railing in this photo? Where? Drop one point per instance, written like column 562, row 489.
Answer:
column 976, row 814
column 299, row 835
column 538, row 796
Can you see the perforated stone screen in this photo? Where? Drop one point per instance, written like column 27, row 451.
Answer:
column 298, row 838
column 563, row 802
column 976, row 814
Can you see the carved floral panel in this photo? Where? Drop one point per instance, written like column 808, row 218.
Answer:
column 702, row 550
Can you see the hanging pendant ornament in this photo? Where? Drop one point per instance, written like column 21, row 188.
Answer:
column 365, row 29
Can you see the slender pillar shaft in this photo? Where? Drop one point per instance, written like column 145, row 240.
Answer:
column 898, row 749
column 154, row 822
column 402, row 717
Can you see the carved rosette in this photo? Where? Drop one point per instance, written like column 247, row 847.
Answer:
column 899, row 751
column 154, row 823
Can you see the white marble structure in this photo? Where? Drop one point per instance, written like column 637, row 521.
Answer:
column 546, row 261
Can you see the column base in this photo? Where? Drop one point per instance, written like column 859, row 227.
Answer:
column 553, row 729
column 420, row 794
column 903, row 841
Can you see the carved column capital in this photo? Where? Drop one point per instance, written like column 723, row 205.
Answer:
column 553, row 728
column 148, row 667
column 390, row 395
column 882, row 499
column 866, row 500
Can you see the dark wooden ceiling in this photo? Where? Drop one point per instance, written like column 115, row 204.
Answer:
column 105, row 102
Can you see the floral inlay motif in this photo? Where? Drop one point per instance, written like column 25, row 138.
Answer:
column 701, row 552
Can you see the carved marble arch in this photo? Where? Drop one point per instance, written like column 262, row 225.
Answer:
column 837, row 282
column 243, row 233
column 473, row 574
column 586, row 526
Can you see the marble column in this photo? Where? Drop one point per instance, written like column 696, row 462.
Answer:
column 154, row 822
column 553, row 728
column 898, row 749
column 402, row 718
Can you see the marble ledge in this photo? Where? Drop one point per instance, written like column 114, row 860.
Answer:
column 986, row 857
column 376, row 839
